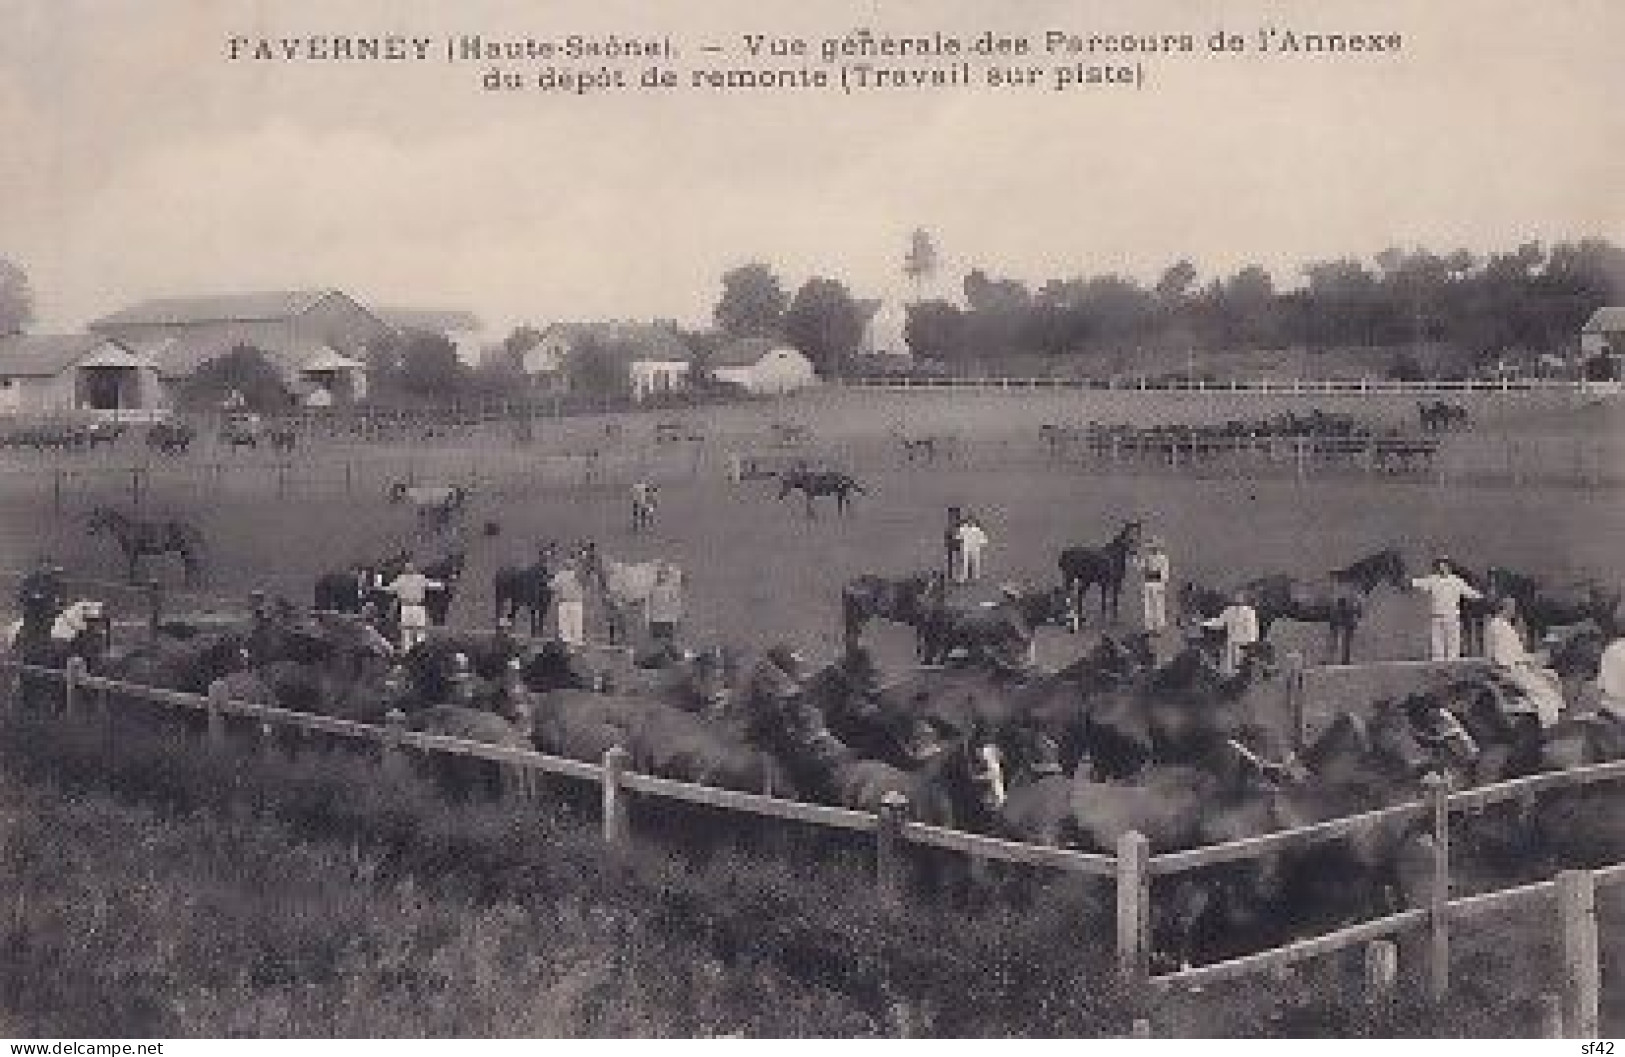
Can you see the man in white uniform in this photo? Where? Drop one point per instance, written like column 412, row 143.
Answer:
column 1444, row 590
column 411, row 589
column 972, row 542
column 569, row 605
column 1611, row 680
column 1540, row 690
column 1155, row 572
column 1239, row 622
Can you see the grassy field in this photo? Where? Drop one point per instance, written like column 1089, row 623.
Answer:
column 760, row 572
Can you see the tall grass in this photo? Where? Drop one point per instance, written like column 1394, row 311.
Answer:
column 151, row 887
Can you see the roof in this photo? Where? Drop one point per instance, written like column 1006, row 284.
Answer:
column 211, row 308
column 183, row 354
column 746, row 352
column 45, row 355
column 625, row 340
column 431, row 320
column 1605, row 321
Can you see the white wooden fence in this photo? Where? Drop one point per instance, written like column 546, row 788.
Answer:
column 1572, row 1012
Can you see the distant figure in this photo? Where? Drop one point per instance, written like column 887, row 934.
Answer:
column 569, row 605
column 950, row 542
column 644, row 494
column 1540, row 689
column 972, row 542
column 1155, row 572
column 666, row 604
column 1445, row 591
column 1611, row 680
column 411, row 589
column 1239, row 623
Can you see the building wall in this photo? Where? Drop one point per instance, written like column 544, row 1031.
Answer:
column 649, row 377
column 33, row 395
column 779, row 371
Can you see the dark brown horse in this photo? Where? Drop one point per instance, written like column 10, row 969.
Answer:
column 517, row 589
column 1337, row 600
column 907, row 600
column 1000, row 635
column 140, row 537
column 1544, row 606
column 814, row 483
column 1104, row 567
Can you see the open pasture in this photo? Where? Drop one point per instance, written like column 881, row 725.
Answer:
column 758, row 570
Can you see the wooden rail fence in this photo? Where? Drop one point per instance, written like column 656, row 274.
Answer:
column 1574, row 1011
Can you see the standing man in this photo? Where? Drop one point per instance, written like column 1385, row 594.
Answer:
column 1611, row 680
column 411, row 590
column 1444, row 590
column 643, row 504
column 972, row 542
column 1540, row 688
column 1239, row 623
column 666, row 604
column 1155, row 572
column 569, row 605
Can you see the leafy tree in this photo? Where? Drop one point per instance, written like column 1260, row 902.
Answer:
column 921, row 261
column 16, row 299
column 825, row 323
column 430, row 369
column 245, row 370
column 935, row 329
column 752, row 302
column 599, row 368
column 1176, row 282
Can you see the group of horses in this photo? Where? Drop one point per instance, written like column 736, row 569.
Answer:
column 64, row 437
column 1335, row 440
column 1442, row 417
column 1117, row 741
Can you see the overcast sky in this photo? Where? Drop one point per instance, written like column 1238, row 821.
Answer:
column 135, row 161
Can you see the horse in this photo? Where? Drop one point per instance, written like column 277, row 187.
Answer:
column 1337, row 600
column 170, row 438
column 1545, row 606
column 138, row 537
column 447, row 572
column 922, row 447
column 282, row 438
column 624, row 588
column 1000, row 634
column 436, row 505
column 815, row 483
column 1104, row 567
column 523, row 588
column 907, row 600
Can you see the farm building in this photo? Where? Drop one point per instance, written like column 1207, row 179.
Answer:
column 318, row 338
column 760, row 365
column 463, row 329
column 75, row 372
column 653, row 356
column 1602, row 343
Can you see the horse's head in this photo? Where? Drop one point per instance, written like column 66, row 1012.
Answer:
column 397, row 492
column 789, row 480
column 1130, row 536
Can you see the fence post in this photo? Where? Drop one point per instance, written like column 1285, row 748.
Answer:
column 282, row 480
column 1299, row 455
column 135, row 487
column 72, row 675
column 1550, row 1009
column 155, row 605
column 1133, row 907
column 1381, row 970
column 1582, row 975
column 216, row 730
column 889, row 846
column 392, row 759
column 617, row 826
column 56, row 491
column 1438, row 796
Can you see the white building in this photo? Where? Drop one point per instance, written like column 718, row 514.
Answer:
column 42, row 374
column 653, row 356
column 886, row 333
column 760, row 365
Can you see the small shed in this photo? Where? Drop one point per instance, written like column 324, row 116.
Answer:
column 45, row 373
column 761, row 365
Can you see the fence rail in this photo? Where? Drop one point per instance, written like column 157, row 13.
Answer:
column 1132, row 867
column 1288, row 387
